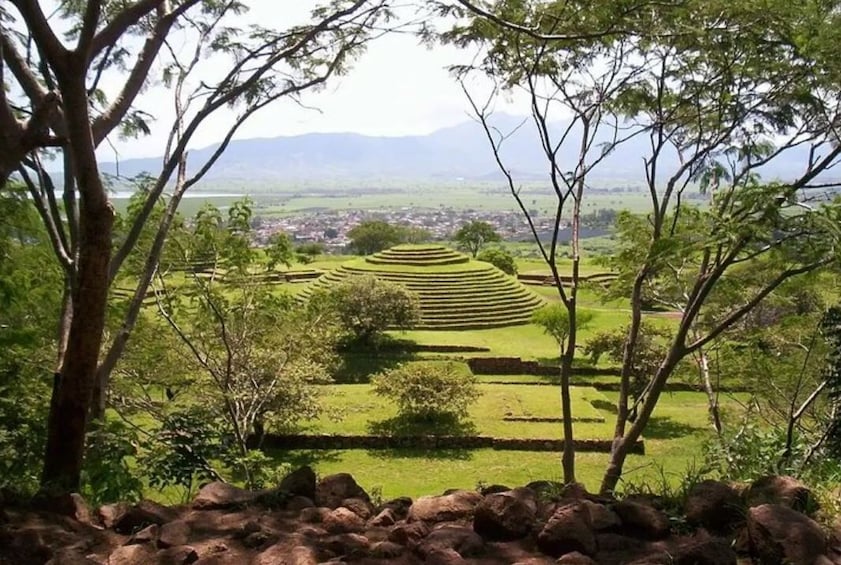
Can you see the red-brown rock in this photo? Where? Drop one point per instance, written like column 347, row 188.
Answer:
column 782, row 490
column 458, row 538
column 575, row 558
column 569, row 529
column 333, row 489
column 779, row 534
column 341, row 520
column 300, row 482
column 218, row 495
column 178, row 555
column 459, row 505
column 642, row 519
column 142, row 514
column 133, row 555
column 715, row 506
column 505, row 516
column 409, row 535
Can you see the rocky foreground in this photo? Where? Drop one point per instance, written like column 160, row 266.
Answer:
column 305, row 521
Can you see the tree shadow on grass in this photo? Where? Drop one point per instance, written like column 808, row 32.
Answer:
column 419, row 437
column 296, row 458
column 359, row 362
column 444, row 454
column 667, row 428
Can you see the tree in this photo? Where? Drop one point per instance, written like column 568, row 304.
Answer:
column 554, row 319
column 372, row 236
column 473, row 236
column 58, row 66
column 428, row 391
column 254, row 356
column 279, row 251
column 500, row 259
column 366, row 306
column 717, row 103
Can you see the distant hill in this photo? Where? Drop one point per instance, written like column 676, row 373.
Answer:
column 449, row 154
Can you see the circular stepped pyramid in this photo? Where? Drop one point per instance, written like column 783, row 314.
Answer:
column 455, row 292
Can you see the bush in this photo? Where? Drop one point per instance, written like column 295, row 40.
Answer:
column 500, row 259
column 428, row 391
column 367, row 306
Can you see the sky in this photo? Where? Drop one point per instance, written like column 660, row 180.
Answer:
column 398, row 87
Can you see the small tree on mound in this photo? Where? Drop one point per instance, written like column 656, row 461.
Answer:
column 500, row 259
column 475, row 235
column 554, row 319
column 428, row 391
column 367, row 306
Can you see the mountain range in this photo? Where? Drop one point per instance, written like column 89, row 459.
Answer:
column 460, row 152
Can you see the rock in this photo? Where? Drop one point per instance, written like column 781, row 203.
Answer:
column 602, row 518
column 493, row 489
column 352, row 546
column 143, row 514
column 779, row 534
column 282, row 554
column 715, row 506
column 642, row 519
column 132, row 555
column 409, row 535
column 575, row 558
column 174, row 533
column 341, row 520
column 456, row 506
column 178, row 555
column 783, row 490
column 258, row 539
column 444, row 557
column 110, row 514
column 149, row 534
column 458, row 538
column 385, row 518
column 546, row 489
column 314, row 515
column 713, row 551
column 298, row 503
column 400, row 506
column 569, row 529
column 386, row 550
column 70, row 556
column 362, row 508
column 300, row 482
column 218, row 495
column 505, row 516
column 333, row 489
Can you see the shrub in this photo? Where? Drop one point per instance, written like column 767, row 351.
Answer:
column 428, row 391
column 500, row 259
column 366, row 306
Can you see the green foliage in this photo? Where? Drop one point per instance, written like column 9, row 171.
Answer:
column 279, row 251
column 307, row 252
column 181, row 451
column 554, row 319
column 366, row 306
column 107, row 475
column 373, row 236
column 753, row 451
column 499, row 258
column 428, row 391
column 474, row 235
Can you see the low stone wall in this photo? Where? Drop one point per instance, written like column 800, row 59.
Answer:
column 550, row 420
column 328, row 441
column 516, row 366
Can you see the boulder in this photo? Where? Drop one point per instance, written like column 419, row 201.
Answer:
column 149, row 534
column 715, row 506
column 362, row 508
column 400, row 506
column 386, row 550
column 602, row 518
column 133, row 555
column 409, row 535
column 459, row 505
column 348, row 546
column 283, row 554
column 298, row 503
column 712, row 551
column 642, row 519
column 461, row 539
column 444, row 557
column 575, row 558
column 779, row 534
column 178, row 555
column 174, row 534
column 341, row 520
column 782, row 490
column 142, row 514
column 383, row 519
column 546, row 489
column 314, row 515
column 505, row 516
column 569, row 529
column 218, row 495
column 110, row 514
column 300, row 482
column 333, row 489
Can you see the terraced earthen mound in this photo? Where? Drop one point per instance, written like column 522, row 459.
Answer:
column 455, row 291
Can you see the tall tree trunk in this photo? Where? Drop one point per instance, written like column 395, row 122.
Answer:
column 568, row 457
column 70, row 407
